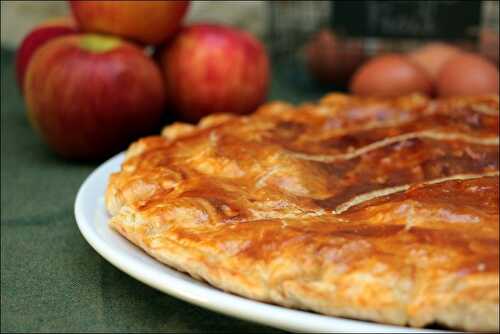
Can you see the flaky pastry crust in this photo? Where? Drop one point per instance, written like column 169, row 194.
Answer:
column 373, row 209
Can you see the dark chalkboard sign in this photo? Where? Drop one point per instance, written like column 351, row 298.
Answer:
column 407, row 19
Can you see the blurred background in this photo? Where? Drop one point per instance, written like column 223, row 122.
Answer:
column 302, row 50
column 304, row 37
column 19, row 17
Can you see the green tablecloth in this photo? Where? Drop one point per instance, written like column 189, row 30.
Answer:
column 51, row 279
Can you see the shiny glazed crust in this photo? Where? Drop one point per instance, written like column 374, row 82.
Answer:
column 381, row 210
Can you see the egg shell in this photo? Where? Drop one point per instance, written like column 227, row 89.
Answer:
column 390, row 75
column 467, row 74
column 431, row 57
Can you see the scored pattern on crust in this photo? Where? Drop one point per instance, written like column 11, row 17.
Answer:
column 376, row 209
column 493, row 141
column 360, row 199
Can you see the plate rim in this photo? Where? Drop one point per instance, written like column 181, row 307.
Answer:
column 229, row 304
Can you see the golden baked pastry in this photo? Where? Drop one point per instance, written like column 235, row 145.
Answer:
column 382, row 210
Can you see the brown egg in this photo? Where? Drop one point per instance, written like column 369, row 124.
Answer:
column 467, row 74
column 431, row 57
column 489, row 44
column 390, row 75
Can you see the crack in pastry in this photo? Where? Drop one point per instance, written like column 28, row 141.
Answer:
column 377, row 209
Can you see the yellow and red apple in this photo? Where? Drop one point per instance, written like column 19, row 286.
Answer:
column 213, row 68
column 38, row 36
column 90, row 95
column 149, row 22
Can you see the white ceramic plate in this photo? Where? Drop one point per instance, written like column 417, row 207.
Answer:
column 92, row 219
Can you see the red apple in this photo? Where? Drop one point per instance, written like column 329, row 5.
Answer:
column 90, row 95
column 332, row 60
column 150, row 22
column 38, row 36
column 212, row 68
